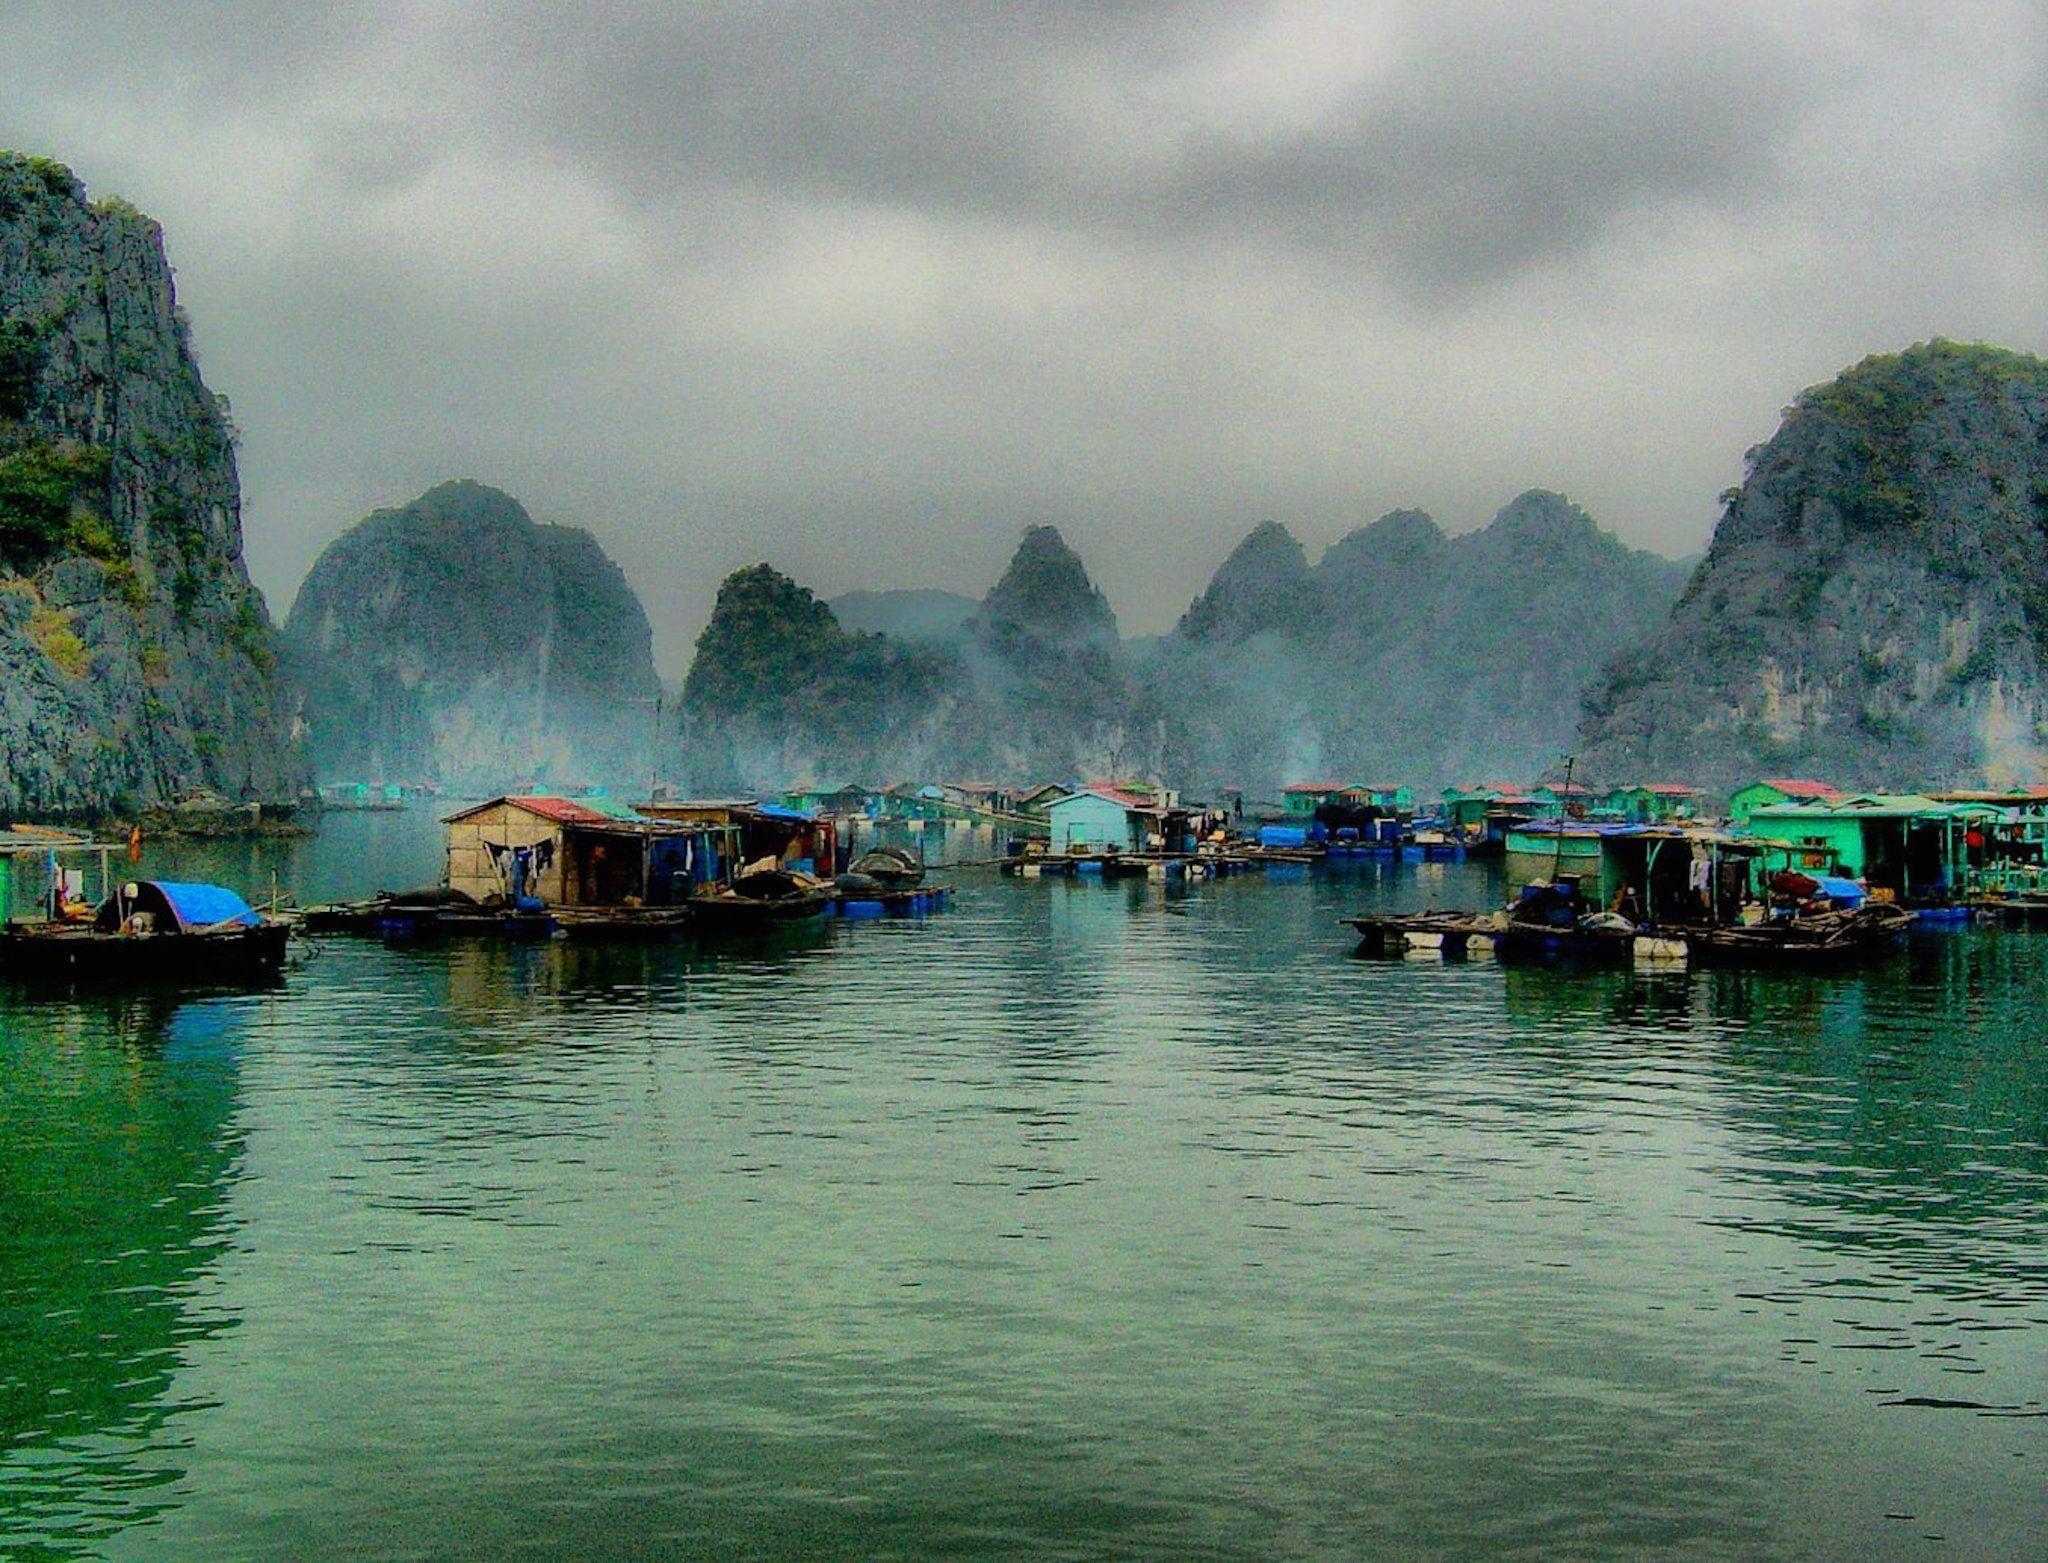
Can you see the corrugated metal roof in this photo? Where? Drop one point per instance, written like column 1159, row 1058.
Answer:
column 1801, row 788
column 563, row 811
column 1869, row 805
column 1116, row 795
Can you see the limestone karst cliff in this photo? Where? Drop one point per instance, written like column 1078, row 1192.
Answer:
column 136, row 658
column 1052, row 692
column 1034, row 683
column 780, row 692
column 1874, row 605
column 455, row 641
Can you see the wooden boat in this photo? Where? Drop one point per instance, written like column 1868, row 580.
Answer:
column 425, row 916
column 152, row 931
column 756, row 903
column 621, row 924
column 891, row 867
column 1454, row 933
column 1814, row 941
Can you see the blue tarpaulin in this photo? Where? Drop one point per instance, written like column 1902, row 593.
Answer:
column 202, row 906
column 777, row 811
column 1845, row 891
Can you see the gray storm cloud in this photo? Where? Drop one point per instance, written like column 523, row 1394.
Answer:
column 865, row 289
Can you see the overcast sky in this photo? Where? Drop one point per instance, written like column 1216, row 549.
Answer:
column 863, row 290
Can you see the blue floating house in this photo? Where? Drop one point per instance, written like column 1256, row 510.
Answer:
column 1103, row 818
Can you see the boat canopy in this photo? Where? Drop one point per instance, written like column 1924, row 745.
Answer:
column 186, row 905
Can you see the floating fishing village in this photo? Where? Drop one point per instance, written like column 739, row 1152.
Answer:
column 1221, row 782
column 1790, row 873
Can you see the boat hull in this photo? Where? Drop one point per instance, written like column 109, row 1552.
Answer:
column 725, row 917
column 66, row 957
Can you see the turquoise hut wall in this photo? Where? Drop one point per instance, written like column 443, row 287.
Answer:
column 1085, row 822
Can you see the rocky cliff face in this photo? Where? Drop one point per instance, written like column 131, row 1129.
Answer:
column 136, row 659
column 1874, row 606
column 455, row 641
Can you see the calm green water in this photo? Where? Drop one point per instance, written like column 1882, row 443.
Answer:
column 1082, row 1221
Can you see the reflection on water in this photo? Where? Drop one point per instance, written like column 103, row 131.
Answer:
column 1085, row 1220
column 116, row 1114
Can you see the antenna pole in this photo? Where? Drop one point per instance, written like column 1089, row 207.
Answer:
column 1564, row 804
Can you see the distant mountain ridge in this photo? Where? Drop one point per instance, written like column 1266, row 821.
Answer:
column 1034, row 681
column 1402, row 652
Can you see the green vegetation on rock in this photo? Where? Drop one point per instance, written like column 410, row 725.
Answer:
column 1874, row 605
column 51, row 493
column 106, row 426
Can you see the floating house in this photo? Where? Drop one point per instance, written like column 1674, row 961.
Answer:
column 2005, row 852
column 1764, row 794
column 1377, row 795
column 843, row 801
column 1654, row 803
column 767, row 833
column 1486, row 808
column 911, row 801
column 1100, row 818
column 1300, row 800
column 1572, row 800
column 565, row 852
column 975, row 797
column 1669, row 873
column 1916, row 847
column 1036, row 803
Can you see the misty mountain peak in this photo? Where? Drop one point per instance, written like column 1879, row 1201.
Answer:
column 454, row 639
column 1046, row 594
column 1543, row 518
column 1264, row 585
column 1365, row 571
